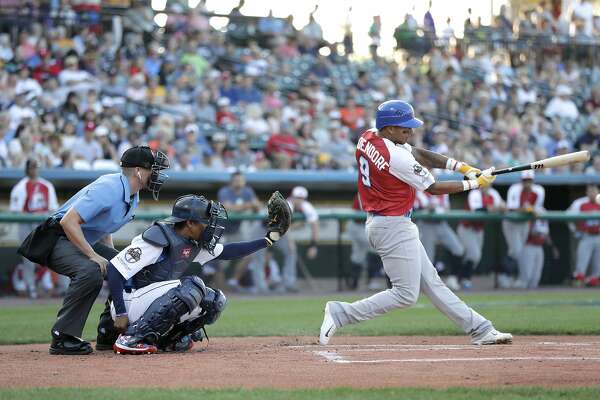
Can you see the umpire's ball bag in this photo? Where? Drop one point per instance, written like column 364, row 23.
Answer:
column 38, row 245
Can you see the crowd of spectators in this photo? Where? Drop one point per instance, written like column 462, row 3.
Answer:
column 261, row 94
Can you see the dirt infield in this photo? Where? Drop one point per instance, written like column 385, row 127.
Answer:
column 279, row 362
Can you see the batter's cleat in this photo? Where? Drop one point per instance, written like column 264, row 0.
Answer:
column 328, row 327
column 133, row 345
column 67, row 345
column 492, row 337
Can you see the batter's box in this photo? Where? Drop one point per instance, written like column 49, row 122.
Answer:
column 527, row 352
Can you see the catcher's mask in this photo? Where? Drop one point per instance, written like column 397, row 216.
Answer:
column 191, row 207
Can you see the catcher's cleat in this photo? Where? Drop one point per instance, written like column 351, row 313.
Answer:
column 492, row 337
column 185, row 343
column 133, row 345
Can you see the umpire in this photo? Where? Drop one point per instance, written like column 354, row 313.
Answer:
column 80, row 239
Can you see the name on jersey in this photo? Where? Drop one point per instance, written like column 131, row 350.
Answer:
column 372, row 153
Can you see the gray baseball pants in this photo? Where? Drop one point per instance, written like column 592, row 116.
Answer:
column 396, row 241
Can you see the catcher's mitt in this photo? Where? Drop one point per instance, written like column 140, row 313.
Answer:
column 279, row 217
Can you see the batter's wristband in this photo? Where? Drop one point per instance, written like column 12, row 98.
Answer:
column 470, row 185
column 269, row 241
column 453, row 164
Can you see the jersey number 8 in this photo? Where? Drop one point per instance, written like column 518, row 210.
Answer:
column 364, row 171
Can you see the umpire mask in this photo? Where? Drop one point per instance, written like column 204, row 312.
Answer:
column 157, row 178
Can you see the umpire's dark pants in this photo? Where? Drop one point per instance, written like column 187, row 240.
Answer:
column 86, row 282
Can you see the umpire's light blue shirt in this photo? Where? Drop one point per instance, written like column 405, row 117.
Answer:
column 104, row 205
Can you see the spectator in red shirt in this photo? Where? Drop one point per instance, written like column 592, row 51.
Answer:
column 283, row 148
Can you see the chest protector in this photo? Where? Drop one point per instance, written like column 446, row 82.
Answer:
column 178, row 254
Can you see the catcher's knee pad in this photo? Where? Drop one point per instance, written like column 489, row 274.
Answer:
column 212, row 305
column 166, row 311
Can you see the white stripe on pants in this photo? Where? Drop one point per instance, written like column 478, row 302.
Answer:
column 138, row 301
column 396, row 240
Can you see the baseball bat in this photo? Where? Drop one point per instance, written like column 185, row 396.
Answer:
column 557, row 161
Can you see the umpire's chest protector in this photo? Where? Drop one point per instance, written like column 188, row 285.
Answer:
column 177, row 255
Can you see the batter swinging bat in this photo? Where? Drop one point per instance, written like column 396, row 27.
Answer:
column 557, row 161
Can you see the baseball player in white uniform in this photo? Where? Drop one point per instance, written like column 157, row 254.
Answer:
column 524, row 196
column 433, row 233
column 588, row 233
column 470, row 233
column 531, row 261
column 298, row 202
column 390, row 173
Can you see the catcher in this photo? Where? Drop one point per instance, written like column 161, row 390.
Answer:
column 155, row 309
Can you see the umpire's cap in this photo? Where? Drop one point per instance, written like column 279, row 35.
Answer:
column 138, row 156
column 396, row 113
column 189, row 207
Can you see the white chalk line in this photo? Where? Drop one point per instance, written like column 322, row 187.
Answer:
column 333, row 356
column 386, row 347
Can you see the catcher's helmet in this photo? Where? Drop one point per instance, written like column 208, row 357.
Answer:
column 189, row 207
column 396, row 113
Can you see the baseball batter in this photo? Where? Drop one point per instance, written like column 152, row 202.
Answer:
column 150, row 303
column 390, row 173
column 588, row 232
column 524, row 196
column 470, row 233
column 433, row 233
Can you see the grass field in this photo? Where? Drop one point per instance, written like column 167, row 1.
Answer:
column 561, row 312
column 267, row 394
column 552, row 312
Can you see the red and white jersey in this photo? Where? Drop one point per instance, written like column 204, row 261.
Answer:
column 388, row 175
column 517, row 198
column 427, row 201
column 581, row 205
column 477, row 200
column 538, row 232
column 30, row 196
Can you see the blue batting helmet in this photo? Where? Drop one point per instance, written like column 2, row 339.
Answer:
column 396, row 113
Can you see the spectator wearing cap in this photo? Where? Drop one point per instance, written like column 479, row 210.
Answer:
column 224, row 116
column 561, row 105
column 195, row 145
column 88, row 220
column 88, row 147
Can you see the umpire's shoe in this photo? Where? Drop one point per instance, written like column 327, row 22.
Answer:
column 63, row 344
